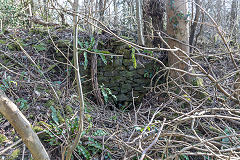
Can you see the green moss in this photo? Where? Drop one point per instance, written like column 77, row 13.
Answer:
column 15, row 46
column 39, row 31
column 31, row 116
column 13, row 132
column 63, row 43
column 59, row 93
column 49, row 103
column 60, row 118
column 38, row 129
column 68, row 109
column 40, row 47
column 2, row 138
column 14, row 154
column 15, row 138
column 3, row 41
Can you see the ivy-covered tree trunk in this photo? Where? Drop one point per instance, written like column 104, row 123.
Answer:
column 178, row 30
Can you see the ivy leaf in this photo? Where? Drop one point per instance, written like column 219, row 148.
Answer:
column 84, row 151
column 40, row 47
column 54, row 115
column 95, row 144
column 105, row 95
column 86, row 44
column 103, row 59
column 101, row 55
column 92, row 42
column 100, row 132
column 114, row 97
column 183, row 157
column 81, row 44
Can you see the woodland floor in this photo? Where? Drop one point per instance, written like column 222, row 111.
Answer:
column 111, row 132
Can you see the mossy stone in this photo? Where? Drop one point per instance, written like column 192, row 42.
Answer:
column 122, row 97
column 109, row 74
column 126, row 88
column 118, row 79
column 127, row 62
column 118, row 62
column 120, row 68
column 103, row 79
column 141, row 71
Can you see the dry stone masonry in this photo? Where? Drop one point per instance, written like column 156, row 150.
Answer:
column 120, row 76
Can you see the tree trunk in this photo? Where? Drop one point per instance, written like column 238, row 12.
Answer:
column 200, row 30
column 219, row 7
column 147, row 23
column 11, row 112
column 233, row 19
column 95, row 86
column 156, row 10
column 115, row 22
column 139, row 22
column 45, row 9
column 194, row 24
column 29, row 11
column 157, row 22
column 101, row 10
column 79, row 84
column 177, row 28
column 233, row 13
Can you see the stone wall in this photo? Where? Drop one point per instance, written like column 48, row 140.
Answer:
column 120, row 76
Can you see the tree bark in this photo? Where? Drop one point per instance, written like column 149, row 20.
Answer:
column 101, row 10
column 156, row 10
column 200, row 30
column 11, row 112
column 95, row 86
column 147, row 25
column 194, row 24
column 79, row 84
column 45, row 9
column 115, row 22
column 177, row 28
column 233, row 19
column 139, row 22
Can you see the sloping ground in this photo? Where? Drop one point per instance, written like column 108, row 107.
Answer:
column 182, row 120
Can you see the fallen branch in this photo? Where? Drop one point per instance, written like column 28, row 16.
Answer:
column 11, row 112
